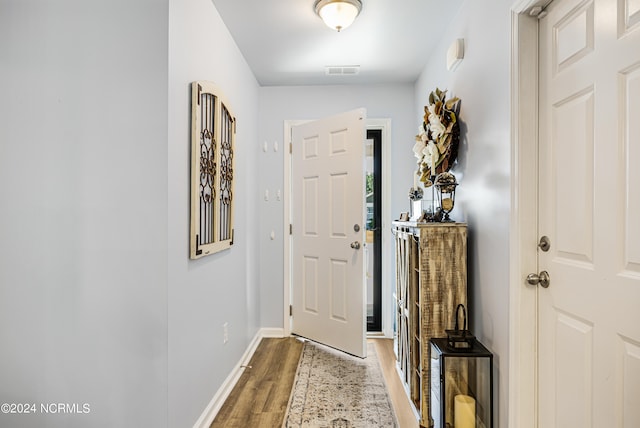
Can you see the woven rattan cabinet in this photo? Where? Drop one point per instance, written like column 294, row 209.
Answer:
column 431, row 280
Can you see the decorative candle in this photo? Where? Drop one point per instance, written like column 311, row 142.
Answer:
column 464, row 412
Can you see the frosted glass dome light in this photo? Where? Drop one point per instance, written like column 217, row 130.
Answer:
column 338, row 14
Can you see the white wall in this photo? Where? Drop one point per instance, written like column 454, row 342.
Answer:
column 83, row 219
column 99, row 303
column 483, row 197
column 205, row 293
column 278, row 104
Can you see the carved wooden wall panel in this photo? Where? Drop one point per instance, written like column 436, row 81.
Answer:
column 212, row 166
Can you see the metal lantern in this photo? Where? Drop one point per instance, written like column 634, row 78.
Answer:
column 461, row 381
column 445, row 185
column 460, row 338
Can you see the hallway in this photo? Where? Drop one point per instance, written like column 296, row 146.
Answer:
column 260, row 397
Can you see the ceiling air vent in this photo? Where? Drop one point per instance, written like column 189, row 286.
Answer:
column 342, row 70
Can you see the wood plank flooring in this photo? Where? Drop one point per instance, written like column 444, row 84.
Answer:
column 260, row 397
column 401, row 404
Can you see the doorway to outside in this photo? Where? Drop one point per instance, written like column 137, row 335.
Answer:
column 384, row 295
column 373, row 257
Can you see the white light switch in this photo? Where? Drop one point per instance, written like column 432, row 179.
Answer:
column 278, row 195
column 272, row 235
column 265, row 147
column 275, row 146
column 266, row 194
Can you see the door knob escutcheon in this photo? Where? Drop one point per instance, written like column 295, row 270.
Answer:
column 544, row 244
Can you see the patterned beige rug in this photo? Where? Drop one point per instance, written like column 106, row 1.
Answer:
column 336, row 390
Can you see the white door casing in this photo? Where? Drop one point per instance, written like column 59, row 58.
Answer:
column 522, row 396
column 327, row 202
column 589, row 207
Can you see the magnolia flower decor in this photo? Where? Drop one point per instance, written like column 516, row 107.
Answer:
column 436, row 145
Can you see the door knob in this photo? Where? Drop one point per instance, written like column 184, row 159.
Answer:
column 355, row 245
column 542, row 278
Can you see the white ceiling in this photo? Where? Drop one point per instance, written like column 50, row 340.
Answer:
column 286, row 43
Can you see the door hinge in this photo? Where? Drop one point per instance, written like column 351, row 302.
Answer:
column 538, row 12
column 290, row 148
column 290, row 229
column 290, row 310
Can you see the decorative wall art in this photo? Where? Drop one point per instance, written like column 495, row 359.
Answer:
column 437, row 141
column 436, row 148
column 213, row 129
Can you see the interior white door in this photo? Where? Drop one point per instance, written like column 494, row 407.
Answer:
column 589, row 207
column 327, row 200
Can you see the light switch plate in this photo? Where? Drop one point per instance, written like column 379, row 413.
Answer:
column 455, row 54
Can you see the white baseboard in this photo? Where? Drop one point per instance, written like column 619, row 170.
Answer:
column 210, row 412
column 272, row 332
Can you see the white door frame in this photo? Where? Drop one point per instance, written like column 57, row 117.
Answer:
column 387, row 258
column 523, row 318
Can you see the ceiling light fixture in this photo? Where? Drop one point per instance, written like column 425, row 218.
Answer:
column 338, row 14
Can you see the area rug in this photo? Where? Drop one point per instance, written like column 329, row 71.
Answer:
column 336, row 390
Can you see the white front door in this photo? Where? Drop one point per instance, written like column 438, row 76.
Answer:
column 589, row 207
column 328, row 229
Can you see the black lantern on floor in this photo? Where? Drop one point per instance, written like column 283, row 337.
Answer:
column 461, row 382
column 445, row 185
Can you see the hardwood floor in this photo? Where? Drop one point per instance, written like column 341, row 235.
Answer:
column 260, row 397
column 401, row 405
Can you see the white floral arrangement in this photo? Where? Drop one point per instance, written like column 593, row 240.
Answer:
column 436, row 145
